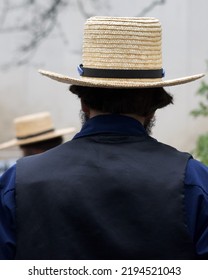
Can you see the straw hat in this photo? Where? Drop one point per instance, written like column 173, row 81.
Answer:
column 121, row 52
column 34, row 128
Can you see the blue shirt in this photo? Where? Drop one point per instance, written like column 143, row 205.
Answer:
column 195, row 181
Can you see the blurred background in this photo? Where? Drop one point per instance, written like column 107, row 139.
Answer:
column 48, row 35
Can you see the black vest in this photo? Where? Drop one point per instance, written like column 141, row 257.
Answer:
column 103, row 197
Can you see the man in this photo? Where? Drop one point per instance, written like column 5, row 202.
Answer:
column 113, row 192
column 35, row 134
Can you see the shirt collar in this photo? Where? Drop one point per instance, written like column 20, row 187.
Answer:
column 111, row 124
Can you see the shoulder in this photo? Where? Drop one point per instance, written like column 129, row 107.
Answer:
column 169, row 149
column 197, row 175
column 7, row 180
column 196, row 201
column 7, row 188
column 196, row 188
column 7, row 192
column 7, row 214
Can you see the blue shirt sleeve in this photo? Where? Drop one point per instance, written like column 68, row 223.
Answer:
column 7, row 214
column 196, row 205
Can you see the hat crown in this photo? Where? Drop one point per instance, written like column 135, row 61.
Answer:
column 122, row 43
column 33, row 124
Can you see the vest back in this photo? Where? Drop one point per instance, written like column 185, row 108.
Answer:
column 103, row 197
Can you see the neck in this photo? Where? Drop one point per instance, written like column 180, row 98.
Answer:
column 94, row 113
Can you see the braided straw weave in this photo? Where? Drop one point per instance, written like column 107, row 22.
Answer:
column 121, row 43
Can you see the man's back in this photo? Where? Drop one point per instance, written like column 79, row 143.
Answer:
column 111, row 197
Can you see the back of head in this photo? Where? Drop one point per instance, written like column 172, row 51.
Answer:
column 139, row 101
column 41, row 146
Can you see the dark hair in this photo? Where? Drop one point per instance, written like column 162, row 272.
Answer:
column 42, row 145
column 140, row 101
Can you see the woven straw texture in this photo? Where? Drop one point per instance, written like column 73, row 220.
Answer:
column 121, row 43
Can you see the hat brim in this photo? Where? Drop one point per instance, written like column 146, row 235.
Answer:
column 119, row 83
column 47, row 136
